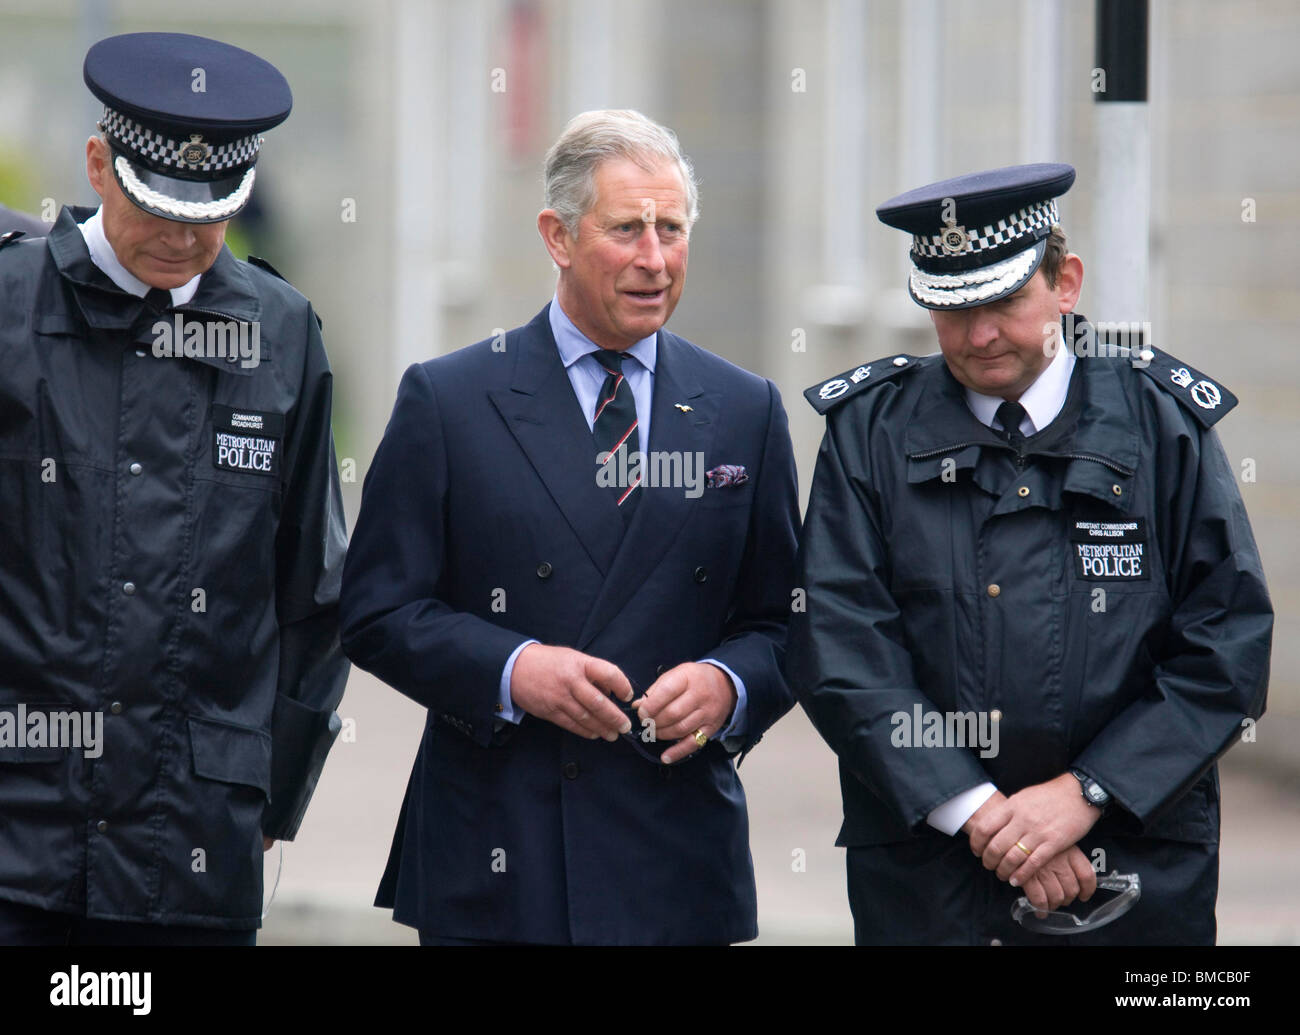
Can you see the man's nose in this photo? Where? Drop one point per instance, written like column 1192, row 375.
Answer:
column 179, row 237
column 649, row 255
column 983, row 329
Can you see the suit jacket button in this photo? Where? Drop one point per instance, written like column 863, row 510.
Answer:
column 700, row 575
column 659, row 670
column 570, row 770
column 544, row 570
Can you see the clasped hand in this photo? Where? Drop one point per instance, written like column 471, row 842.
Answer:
column 573, row 691
column 1048, row 819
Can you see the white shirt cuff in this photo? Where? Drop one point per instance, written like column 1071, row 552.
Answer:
column 953, row 813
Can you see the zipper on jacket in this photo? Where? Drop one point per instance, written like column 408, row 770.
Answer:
column 944, row 449
column 1117, row 468
column 1021, row 458
column 183, row 309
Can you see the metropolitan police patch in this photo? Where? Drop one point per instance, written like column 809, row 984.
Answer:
column 246, row 441
column 1110, row 550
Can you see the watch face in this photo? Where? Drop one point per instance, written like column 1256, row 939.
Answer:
column 1095, row 793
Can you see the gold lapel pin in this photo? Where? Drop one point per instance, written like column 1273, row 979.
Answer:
column 683, row 407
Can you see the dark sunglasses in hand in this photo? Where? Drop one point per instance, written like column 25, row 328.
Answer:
column 641, row 737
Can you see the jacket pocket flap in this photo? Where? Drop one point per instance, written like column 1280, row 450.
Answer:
column 60, row 324
column 232, row 754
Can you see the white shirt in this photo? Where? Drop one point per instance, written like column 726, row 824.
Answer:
column 103, row 256
column 1042, row 401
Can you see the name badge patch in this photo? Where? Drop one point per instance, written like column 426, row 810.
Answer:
column 1110, row 550
column 247, row 441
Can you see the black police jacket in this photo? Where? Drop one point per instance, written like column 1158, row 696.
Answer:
column 172, row 540
column 1100, row 594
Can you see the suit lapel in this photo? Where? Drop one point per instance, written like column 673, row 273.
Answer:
column 661, row 511
column 542, row 413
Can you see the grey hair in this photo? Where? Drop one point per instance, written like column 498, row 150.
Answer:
column 597, row 136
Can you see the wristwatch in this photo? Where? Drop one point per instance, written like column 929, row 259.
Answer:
column 1093, row 792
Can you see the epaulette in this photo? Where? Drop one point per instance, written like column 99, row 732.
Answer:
column 1202, row 397
column 826, row 395
column 262, row 264
column 11, row 237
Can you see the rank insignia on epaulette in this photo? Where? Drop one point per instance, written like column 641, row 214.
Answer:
column 827, row 394
column 1203, row 397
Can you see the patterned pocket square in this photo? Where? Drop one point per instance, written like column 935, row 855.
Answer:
column 726, row 474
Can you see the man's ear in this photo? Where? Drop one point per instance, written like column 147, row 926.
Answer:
column 1069, row 282
column 97, row 159
column 555, row 237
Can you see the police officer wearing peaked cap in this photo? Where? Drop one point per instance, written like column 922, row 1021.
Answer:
column 172, row 531
column 1046, row 534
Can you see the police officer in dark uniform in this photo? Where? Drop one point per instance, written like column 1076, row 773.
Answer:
column 171, row 526
column 1035, row 613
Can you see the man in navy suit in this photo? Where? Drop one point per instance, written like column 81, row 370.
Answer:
column 576, row 549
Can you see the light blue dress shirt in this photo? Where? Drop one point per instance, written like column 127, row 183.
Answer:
column 587, row 377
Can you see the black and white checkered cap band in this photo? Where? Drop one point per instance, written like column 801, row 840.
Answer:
column 995, row 235
column 164, row 154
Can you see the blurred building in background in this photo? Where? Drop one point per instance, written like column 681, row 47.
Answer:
column 402, row 193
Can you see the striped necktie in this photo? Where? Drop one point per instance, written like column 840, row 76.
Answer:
column 614, row 428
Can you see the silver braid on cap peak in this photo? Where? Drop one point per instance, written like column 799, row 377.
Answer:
column 220, row 208
column 942, row 289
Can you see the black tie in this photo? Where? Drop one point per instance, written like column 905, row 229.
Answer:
column 1010, row 414
column 158, row 299
column 614, row 428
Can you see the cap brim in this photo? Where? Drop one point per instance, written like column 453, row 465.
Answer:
column 969, row 288
column 184, row 201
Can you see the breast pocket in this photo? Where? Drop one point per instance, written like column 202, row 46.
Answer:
column 1117, row 613
column 725, row 498
column 245, row 446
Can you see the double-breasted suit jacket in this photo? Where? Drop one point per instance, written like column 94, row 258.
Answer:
column 482, row 526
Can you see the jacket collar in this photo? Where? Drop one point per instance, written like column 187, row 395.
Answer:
column 225, row 291
column 1096, row 429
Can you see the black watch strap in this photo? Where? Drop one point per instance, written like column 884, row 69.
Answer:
column 1093, row 792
